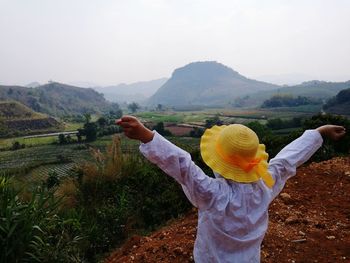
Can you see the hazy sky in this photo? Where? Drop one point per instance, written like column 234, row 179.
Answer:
column 111, row 41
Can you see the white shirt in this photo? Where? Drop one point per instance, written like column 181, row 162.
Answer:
column 232, row 217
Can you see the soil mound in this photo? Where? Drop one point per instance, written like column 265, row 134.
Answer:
column 309, row 222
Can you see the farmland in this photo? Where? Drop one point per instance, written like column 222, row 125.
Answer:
column 44, row 154
column 229, row 115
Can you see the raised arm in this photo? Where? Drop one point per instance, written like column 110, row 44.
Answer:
column 284, row 165
column 199, row 188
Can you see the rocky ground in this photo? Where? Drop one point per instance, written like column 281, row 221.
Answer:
column 309, row 222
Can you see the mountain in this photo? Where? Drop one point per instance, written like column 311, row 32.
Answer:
column 285, row 79
column 58, row 99
column 339, row 104
column 206, row 83
column 137, row 92
column 17, row 119
column 315, row 90
column 34, row 84
column 13, row 110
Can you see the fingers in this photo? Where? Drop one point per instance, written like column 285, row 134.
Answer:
column 126, row 121
column 128, row 118
column 337, row 132
column 339, row 128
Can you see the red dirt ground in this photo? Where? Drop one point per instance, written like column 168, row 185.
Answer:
column 309, row 222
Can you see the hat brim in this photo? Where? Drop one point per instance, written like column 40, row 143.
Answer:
column 220, row 166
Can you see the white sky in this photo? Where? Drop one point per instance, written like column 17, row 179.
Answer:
column 111, row 41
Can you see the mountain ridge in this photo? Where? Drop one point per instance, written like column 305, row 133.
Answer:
column 58, row 99
column 18, row 119
column 136, row 91
column 206, row 83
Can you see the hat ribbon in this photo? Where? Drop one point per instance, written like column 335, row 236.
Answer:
column 237, row 160
column 247, row 166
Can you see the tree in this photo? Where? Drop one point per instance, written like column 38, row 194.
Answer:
column 133, row 107
column 87, row 117
column 90, row 131
column 16, row 146
column 213, row 121
column 102, row 121
column 61, row 139
column 159, row 107
column 52, row 179
column 161, row 130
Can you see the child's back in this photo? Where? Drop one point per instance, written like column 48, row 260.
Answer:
column 232, row 216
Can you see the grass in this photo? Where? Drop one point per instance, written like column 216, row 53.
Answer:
column 29, row 142
column 229, row 115
column 35, row 162
column 73, row 126
column 44, row 153
column 161, row 116
column 41, row 173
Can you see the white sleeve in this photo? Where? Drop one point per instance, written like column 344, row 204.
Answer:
column 284, row 165
column 199, row 188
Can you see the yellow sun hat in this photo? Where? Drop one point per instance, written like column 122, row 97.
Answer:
column 234, row 152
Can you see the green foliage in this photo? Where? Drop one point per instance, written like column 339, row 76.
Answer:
column 340, row 104
column 133, row 107
column 197, row 132
column 102, row 121
column 213, row 121
column 287, row 101
column 342, row 97
column 329, row 148
column 159, row 127
column 17, row 119
column 58, row 99
column 16, row 146
column 52, row 180
column 87, row 117
column 61, row 139
column 89, row 131
column 261, row 130
column 277, row 123
column 120, row 194
column 31, row 231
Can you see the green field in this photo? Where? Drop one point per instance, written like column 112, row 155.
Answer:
column 41, row 155
column 36, row 162
column 229, row 115
column 73, row 126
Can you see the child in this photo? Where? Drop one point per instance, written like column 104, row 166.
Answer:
column 233, row 207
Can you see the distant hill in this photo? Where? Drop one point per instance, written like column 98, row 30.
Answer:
column 137, row 92
column 315, row 90
column 339, row 104
column 57, row 99
column 288, row 101
column 17, row 119
column 33, row 84
column 13, row 110
column 206, row 83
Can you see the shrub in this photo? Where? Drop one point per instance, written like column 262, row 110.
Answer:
column 197, row 132
column 16, row 146
column 31, row 231
column 120, row 194
column 52, row 180
column 161, row 130
column 330, row 148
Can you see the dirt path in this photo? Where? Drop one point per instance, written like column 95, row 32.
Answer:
column 309, row 222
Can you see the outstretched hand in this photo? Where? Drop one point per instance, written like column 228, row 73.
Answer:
column 332, row 132
column 134, row 129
